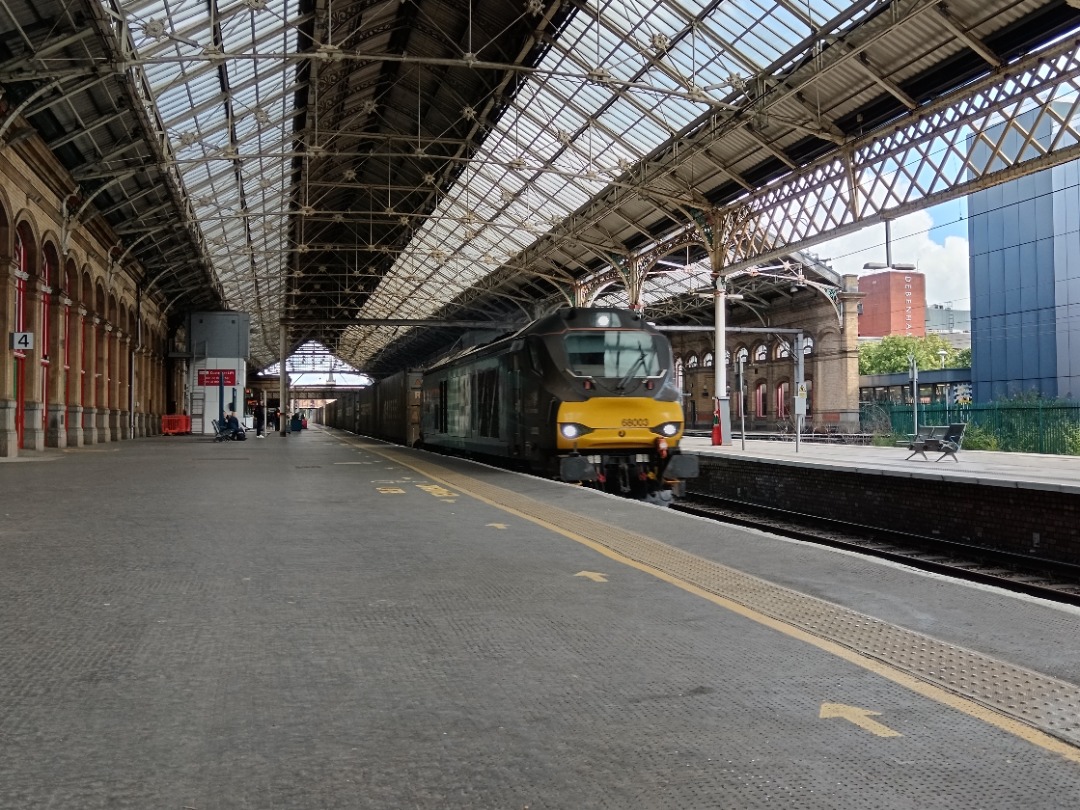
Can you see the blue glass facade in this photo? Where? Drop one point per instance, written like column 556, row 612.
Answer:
column 1025, row 284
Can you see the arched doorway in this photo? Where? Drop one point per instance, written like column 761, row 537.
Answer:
column 23, row 257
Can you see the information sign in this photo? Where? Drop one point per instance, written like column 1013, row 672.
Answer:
column 22, row 341
column 216, row 376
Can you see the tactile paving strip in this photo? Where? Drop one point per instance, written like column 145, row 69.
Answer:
column 1043, row 702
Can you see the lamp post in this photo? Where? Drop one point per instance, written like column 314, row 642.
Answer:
column 742, row 400
column 942, row 354
column 914, row 371
column 721, row 402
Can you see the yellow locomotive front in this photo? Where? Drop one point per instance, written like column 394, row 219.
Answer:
column 618, row 423
column 619, row 420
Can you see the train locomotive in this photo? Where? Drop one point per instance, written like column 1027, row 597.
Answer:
column 584, row 394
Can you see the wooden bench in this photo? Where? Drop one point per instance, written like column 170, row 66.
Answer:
column 944, row 439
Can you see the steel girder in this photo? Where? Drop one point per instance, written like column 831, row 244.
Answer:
column 922, row 159
column 928, row 158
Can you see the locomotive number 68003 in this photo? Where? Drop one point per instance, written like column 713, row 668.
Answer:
column 583, row 394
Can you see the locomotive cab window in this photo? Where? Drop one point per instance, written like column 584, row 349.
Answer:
column 612, row 353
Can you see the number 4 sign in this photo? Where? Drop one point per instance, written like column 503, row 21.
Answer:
column 22, row 341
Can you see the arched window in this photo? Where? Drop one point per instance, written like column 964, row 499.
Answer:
column 761, row 400
column 22, row 261
column 50, row 269
column 86, row 370
column 761, row 353
column 692, row 361
column 707, row 361
column 808, row 346
column 69, row 331
column 742, row 355
column 783, row 395
column 782, row 350
column 679, row 373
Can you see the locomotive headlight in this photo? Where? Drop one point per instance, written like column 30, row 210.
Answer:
column 667, row 429
column 571, row 430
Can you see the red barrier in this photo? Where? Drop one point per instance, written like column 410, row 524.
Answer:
column 174, row 424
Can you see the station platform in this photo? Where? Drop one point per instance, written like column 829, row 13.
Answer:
column 984, row 467
column 1020, row 504
column 325, row 621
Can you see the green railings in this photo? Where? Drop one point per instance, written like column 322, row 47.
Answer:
column 1016, row 427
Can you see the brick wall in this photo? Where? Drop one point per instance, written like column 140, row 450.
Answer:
column 1025, row 521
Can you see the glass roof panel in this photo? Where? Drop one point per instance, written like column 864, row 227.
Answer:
column 612, row 88
column 222, row 118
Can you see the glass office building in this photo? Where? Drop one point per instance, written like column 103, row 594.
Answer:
column 1025, row 282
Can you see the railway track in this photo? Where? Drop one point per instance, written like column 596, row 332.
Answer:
column 1016, row 572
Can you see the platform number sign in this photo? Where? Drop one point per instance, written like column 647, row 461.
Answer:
column 22, row 341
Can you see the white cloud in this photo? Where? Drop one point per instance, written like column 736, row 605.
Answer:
column 945, row 263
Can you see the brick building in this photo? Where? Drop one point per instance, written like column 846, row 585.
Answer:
column 830, row 358
column 895, row 304
column 92, row 362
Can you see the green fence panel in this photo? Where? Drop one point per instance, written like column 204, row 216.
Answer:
column 1014, row 427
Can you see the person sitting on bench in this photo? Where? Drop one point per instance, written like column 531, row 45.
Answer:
column 232, row 424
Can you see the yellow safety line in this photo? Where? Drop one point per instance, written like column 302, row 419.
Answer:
column 928, row 690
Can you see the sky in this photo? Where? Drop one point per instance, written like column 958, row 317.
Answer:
column 934, row 240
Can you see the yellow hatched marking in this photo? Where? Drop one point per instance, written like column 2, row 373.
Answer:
column 437, row 491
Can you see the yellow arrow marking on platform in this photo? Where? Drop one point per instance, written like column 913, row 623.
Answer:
column 593, row 575
column 497, row 525
column 860, row 717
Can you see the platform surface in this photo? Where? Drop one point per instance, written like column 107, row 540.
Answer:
column 322, row 621
column 987, row 467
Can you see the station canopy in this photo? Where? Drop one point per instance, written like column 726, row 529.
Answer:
column 338, row 165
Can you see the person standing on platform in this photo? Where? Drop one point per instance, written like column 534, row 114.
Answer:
column 260, row 419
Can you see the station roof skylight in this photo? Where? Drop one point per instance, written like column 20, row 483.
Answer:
column 621, row 78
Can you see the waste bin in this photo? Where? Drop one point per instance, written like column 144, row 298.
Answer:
column 295, row 424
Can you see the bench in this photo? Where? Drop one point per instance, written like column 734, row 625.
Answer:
column 944, row 439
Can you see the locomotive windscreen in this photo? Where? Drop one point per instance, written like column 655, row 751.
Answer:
column 612, row 353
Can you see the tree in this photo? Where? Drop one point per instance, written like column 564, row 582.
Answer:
column 891, row 354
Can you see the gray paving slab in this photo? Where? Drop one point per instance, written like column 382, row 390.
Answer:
column 1024, row 630
column 300, row 623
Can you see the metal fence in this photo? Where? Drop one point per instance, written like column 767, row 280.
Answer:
column 1014, row 427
